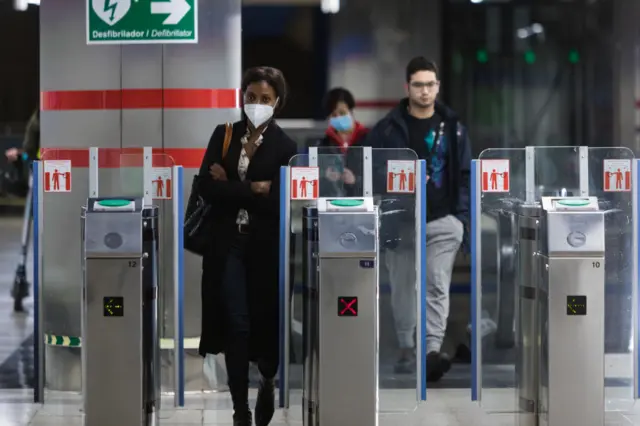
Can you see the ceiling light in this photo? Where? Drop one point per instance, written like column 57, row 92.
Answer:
column 330, row 6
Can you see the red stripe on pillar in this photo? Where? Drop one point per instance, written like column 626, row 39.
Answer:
column 199, row 98
column 69, row 100
column 189, row 158
column 113, row 158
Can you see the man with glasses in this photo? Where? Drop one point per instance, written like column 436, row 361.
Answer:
column 421, row 123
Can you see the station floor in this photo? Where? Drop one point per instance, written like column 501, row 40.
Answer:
column 445, row 407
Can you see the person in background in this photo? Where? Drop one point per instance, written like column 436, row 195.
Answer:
column 422, row 123
column 343, row 133
column 31, row 144
column 240, row 308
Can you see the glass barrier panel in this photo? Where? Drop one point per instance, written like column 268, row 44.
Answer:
column 393, row 187
column 65, row 187
column 556, row 172
column 503, row 189
column 343, row 174
column 296, row 277
column 129, row 179
column 65, row 182
column 610, row 180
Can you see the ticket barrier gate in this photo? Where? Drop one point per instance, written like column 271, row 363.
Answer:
column 120, row 365
column 340, row 313
column 560, row 356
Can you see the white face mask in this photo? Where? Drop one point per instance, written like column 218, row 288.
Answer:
column 258, row 114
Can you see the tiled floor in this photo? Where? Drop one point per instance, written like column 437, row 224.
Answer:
column 444, row 408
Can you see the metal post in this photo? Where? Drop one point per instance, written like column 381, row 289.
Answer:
column 178, row 285
column 120, row 312
column 285, row 286
column 313, row 156
column 572, row 382
column 530, row 174
column 421, row 278
column 38, row 314
column 310, row 316
column 83, row 267
column 367, row 172
column 348, row 346
column 584, row 170
column 94, row 173
column 150, row 332
column 476, row 283
column 527, row 347
column 635, row 167
column 146, row 175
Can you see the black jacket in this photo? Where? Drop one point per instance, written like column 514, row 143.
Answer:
column 392, row 132
column 226, row 198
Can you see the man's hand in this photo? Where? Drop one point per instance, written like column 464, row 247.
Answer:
column 217, row 172
column 332, row 174
column 261, row 188
column 12, row 154
column 348, row 177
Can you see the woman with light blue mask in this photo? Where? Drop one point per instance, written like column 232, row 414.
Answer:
column 340, row 146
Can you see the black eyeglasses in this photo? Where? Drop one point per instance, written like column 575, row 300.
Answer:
column 422, row 84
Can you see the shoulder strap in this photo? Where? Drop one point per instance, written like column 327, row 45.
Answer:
column 227, row 139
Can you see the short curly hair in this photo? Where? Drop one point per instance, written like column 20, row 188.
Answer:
column 273, row 77
column 334, row 96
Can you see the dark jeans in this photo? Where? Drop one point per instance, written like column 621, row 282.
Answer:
column 238, row 326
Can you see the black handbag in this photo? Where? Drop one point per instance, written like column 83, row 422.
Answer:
column 197, row 235
column 197, row 223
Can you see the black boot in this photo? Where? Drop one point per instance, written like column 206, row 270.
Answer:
column 240, row 397
column 438, row 363
column 265, row 404
column 242, row 418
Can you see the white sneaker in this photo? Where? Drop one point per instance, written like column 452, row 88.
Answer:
column 487, row 325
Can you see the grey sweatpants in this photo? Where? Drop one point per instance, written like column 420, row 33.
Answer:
column 444, row 237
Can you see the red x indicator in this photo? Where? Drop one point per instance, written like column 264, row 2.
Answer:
column 347, row 306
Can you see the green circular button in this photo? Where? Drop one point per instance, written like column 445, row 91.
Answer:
column 114, row 203
column 574, row 203
column 347, row 203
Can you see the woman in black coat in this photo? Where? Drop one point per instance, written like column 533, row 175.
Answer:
column 240, row 312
